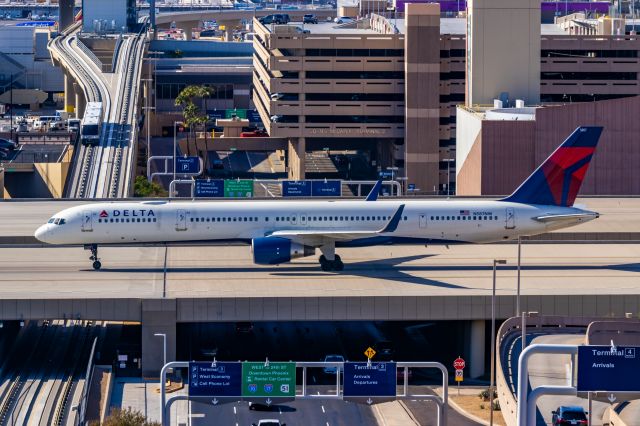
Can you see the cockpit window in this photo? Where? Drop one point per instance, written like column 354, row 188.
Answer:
column 51, row 220
column 57, row 221
column 63, row 221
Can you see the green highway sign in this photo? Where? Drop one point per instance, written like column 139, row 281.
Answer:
column 274, row 380
column 238, row 188
column 240, row 113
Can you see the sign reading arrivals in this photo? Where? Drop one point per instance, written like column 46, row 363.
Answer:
column 369, row 381
column 608, row 369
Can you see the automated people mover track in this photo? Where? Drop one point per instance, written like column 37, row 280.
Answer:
column 104, row 171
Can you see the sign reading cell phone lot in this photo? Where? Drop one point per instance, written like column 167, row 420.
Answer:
column 261, row 382
column 220, row 380
column 608, row 369
column 209, row 188
column 369, row 382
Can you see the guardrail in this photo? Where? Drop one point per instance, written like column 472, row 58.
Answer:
column 98, row 63
column 506, row 387
column 88, row 376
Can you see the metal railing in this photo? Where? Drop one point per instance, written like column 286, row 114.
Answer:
column 97, row 62
column 442, row 402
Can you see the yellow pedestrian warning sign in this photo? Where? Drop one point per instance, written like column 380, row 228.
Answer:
column 459, row 375
column 370, row 352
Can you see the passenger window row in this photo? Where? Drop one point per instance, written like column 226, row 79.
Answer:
column 464, row 217
column 288, row 218
column 128, row 220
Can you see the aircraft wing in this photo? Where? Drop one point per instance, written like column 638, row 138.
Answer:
column 318, row 237
column 566, row 217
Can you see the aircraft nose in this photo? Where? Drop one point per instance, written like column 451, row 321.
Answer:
column 42, row 233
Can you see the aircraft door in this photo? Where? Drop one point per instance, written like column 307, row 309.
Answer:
column 422, row 220
column 303, row 219
column 181, row 220
column 293, row 219
column 87, row 221
column 510, row 219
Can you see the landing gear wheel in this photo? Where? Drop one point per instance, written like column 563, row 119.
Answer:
column 331, row 265
column 94, row 256
column 325, row 264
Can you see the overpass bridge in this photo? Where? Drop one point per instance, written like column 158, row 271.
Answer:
column 162, row 286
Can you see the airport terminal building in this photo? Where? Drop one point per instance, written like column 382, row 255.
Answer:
column 390, row 85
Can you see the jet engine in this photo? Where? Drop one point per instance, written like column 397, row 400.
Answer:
column 275, row 250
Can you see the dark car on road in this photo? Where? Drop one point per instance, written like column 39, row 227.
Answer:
column 309, row 19
column 569, row 415
column 278, row 19
column 384, row 350
column 8, row 144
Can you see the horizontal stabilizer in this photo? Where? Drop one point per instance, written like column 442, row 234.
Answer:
column 566, row 217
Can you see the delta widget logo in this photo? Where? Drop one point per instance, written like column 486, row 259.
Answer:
column 104, row 213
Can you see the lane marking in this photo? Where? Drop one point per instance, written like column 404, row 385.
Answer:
column 234, row 410
column 322, row 406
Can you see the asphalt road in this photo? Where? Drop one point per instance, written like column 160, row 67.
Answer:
column 307, row 413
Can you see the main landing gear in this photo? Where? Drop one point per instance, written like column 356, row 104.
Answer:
column 94, row 256
column 331, row 265
column 330, row 261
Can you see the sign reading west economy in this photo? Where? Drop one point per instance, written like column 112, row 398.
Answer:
column 274, row 380
column 222, row 379
column 238, row 188
column 601, row 369
column 209, row 188
column 369, row 382
column 188, row 165
column 296, row 188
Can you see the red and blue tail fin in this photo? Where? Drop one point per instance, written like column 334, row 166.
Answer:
column 558, row 179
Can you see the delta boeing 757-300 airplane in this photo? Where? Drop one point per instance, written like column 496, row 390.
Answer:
column 279, row 231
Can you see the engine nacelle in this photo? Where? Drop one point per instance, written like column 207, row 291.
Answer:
column 275, row 250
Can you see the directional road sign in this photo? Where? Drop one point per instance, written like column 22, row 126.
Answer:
column 272, row 380
column 370, row 352
column 209, row 188
column 188, row 166
column 330, row 188
column 301, row 188
column 218, row 380
column 459, row 364
column 608, row 369
column 238, row 188
column 369, row 382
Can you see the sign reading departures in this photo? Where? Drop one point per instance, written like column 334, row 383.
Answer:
column 273, row 382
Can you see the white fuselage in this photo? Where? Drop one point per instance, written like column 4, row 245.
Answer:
column 422, row 222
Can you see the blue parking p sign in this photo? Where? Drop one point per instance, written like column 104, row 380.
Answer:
column 188, row 166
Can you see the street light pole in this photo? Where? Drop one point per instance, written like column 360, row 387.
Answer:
column 493, row 338
column 164, row 347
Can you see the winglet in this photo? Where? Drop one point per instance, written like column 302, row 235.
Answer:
column 395, row 220
column 373, row 195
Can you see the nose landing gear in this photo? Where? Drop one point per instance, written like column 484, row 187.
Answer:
column 94, row 256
